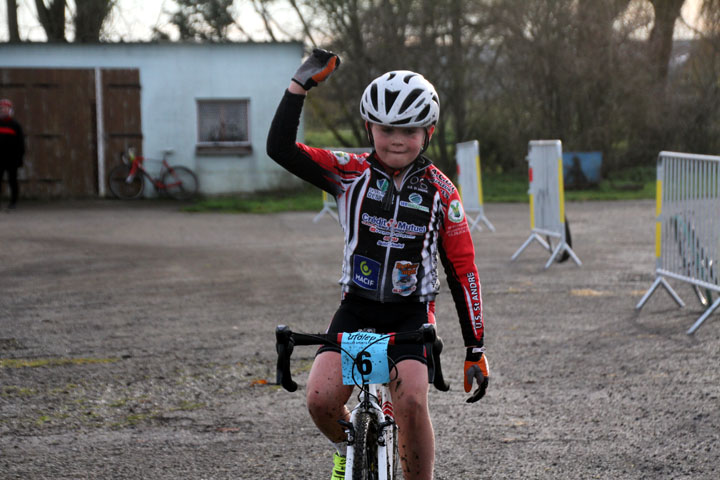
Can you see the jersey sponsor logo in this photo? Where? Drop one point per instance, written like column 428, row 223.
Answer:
column 446, row 186
column 453, row 230
column 404, row 277
column 418, row 183
column 343, row 158
column 382, row 225
column 383, row 184
column 414, row 203
column 474, row 287
column 390, row 244
column 455, row 211
column 415, row 198
column 375, row 194
column 366, row 272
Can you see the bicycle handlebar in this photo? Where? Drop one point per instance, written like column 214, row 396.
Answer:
column 286, row 340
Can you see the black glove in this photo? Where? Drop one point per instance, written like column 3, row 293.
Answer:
column 476, row 368
column 316, row 68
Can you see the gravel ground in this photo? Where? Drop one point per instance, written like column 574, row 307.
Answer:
column 136, row 341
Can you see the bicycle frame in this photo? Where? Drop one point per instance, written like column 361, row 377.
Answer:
column 374, row 399
column 136, row 163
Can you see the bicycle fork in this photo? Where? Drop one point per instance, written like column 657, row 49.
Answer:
column 133, row 173
column 386, row 435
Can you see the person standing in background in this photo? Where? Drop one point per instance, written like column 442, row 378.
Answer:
column 12, row 149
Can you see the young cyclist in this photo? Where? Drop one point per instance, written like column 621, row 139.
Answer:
column 399, row 213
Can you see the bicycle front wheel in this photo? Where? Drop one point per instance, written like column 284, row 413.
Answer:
column 180, row 183
column 124, row 187
column 365, row 461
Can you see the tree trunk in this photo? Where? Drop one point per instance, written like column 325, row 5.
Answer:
column 89, row 19
column 52, row 19
column 13, row 21
column 661, row 37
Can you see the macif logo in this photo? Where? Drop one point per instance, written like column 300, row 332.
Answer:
column 365, row 272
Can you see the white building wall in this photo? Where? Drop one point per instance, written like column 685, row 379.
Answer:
column 172, row 77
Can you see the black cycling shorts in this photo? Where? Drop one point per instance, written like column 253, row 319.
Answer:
column 356, row 313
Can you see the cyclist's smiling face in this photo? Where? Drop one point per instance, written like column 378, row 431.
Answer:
column 397, row 147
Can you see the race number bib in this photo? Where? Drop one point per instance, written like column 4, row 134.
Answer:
column 370, row 349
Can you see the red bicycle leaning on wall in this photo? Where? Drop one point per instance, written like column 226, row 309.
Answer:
column 127, row 180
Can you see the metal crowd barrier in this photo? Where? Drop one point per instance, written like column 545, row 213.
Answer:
column 547, row 199
column 467, row 156
column 687, row 228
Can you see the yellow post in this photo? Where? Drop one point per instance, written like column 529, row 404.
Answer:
column 658, row 223
column 561, row 190
column 479, row 180
column 532, row 212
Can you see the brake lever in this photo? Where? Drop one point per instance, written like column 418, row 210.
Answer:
column 284, row 348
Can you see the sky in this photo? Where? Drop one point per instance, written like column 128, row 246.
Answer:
column 136, row 19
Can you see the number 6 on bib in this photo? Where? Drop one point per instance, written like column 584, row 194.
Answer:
column 364, row 358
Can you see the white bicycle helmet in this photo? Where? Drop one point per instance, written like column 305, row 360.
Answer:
column 400, row 98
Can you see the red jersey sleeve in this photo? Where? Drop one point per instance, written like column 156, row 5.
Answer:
column 457, row 254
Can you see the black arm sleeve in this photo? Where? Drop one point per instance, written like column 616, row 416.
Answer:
column 282, row 147
column 283, row 129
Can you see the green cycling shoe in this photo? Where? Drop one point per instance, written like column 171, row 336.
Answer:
column 338, row 472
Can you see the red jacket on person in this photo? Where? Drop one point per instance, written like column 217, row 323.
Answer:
column 12, row 143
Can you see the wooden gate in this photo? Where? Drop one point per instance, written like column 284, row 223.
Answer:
column 57, row 109
column 121, row 114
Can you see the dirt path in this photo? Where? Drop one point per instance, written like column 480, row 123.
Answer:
column 136, row 342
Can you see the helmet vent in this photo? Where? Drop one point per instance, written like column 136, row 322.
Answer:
column 374, row 96
column 407, row 78
column 390, row 98
column 424, row 113
column 403, row 121
column 411, row 97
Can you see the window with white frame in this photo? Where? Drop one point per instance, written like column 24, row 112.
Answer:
column 223, row 126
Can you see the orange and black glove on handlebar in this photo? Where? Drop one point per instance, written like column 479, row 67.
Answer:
column 319, row 66
column 476, row 368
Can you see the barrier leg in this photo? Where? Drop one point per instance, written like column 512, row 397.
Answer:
column 327, row 210
column 563, row 246
column 659, row 281
column 704, row 316
column 554, row 254
column 533, row 236
column 474, row 224
column 573, row 256
column 487, row 222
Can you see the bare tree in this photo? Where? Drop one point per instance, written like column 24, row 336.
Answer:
column 206, row 20
column 260, row 7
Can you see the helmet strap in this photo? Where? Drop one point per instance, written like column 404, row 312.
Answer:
column 426, row 143
column 369, row 134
